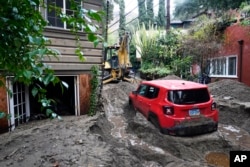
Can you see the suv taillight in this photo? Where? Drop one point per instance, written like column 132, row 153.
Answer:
column 168, row 110
column 213, row 107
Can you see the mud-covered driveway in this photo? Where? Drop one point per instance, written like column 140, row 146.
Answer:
column 117, row 136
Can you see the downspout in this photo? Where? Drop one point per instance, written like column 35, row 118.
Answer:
column 241, row 42
column 105, row 49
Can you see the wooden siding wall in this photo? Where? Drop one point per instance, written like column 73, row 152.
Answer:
column 62, row 40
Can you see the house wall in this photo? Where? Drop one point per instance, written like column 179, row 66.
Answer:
column 68, row 63
column 233, row 35
column 63, row 41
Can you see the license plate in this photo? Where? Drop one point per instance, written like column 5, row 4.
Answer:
column 194, row 112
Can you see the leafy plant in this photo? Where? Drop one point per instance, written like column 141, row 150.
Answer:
column 204, row 39
column 181, row 66
column 94, row 87
column 245, row 12
column 23, row 45
column 158, row 49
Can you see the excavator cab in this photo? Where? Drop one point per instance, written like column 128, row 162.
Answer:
column 112, row 57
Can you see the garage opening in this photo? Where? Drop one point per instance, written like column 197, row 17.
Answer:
column 64, row 101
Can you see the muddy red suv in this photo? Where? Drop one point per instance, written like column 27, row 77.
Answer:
column 176, row 107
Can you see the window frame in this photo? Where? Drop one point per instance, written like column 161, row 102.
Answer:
column 225, row 67
column 44, row 11
column 19, row 103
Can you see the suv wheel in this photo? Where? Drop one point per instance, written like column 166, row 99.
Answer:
column 131, row 106
column 154, row 120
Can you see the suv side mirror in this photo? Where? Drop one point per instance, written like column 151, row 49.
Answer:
column 134, row 92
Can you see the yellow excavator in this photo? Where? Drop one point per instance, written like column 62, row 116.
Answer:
column 117, row 66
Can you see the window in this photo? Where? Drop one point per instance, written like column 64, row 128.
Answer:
column 232, row 66
column 142, row 90
column 226, row 66
column 148, row 91
column 53, row 7
column 152, row 92
column 191, row 96
column 52, row 16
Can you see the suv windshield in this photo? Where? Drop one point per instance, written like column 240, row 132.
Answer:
column 191, row 96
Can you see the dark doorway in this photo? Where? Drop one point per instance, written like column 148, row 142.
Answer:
column 63, row 100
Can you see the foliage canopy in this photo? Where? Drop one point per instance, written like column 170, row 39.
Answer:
column 187, row 9
column 159, row 52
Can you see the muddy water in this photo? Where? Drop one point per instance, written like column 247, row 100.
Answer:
column 114, row 112
column 119, row 131
column 217, row 159
column 234, row 135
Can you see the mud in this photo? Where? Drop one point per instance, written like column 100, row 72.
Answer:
column 119, row 136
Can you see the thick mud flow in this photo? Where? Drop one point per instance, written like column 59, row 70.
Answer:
column 151, row 147
column 120, row 137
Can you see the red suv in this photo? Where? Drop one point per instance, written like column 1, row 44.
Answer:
column 176, row 107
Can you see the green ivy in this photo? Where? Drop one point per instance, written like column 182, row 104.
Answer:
column 23, row 46
column 94, row 86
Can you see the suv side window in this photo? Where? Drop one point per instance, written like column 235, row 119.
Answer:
column 152, row 92
column 142, row 90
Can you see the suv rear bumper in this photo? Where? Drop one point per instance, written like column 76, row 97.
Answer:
column 190, row 130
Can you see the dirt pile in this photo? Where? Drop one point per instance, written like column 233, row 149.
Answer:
column 230, row 90
column 233, row 100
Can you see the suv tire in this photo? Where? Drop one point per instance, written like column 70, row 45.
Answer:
column 154, row 120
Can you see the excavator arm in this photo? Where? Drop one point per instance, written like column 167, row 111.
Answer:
column 118, row 66
column 123, row 52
